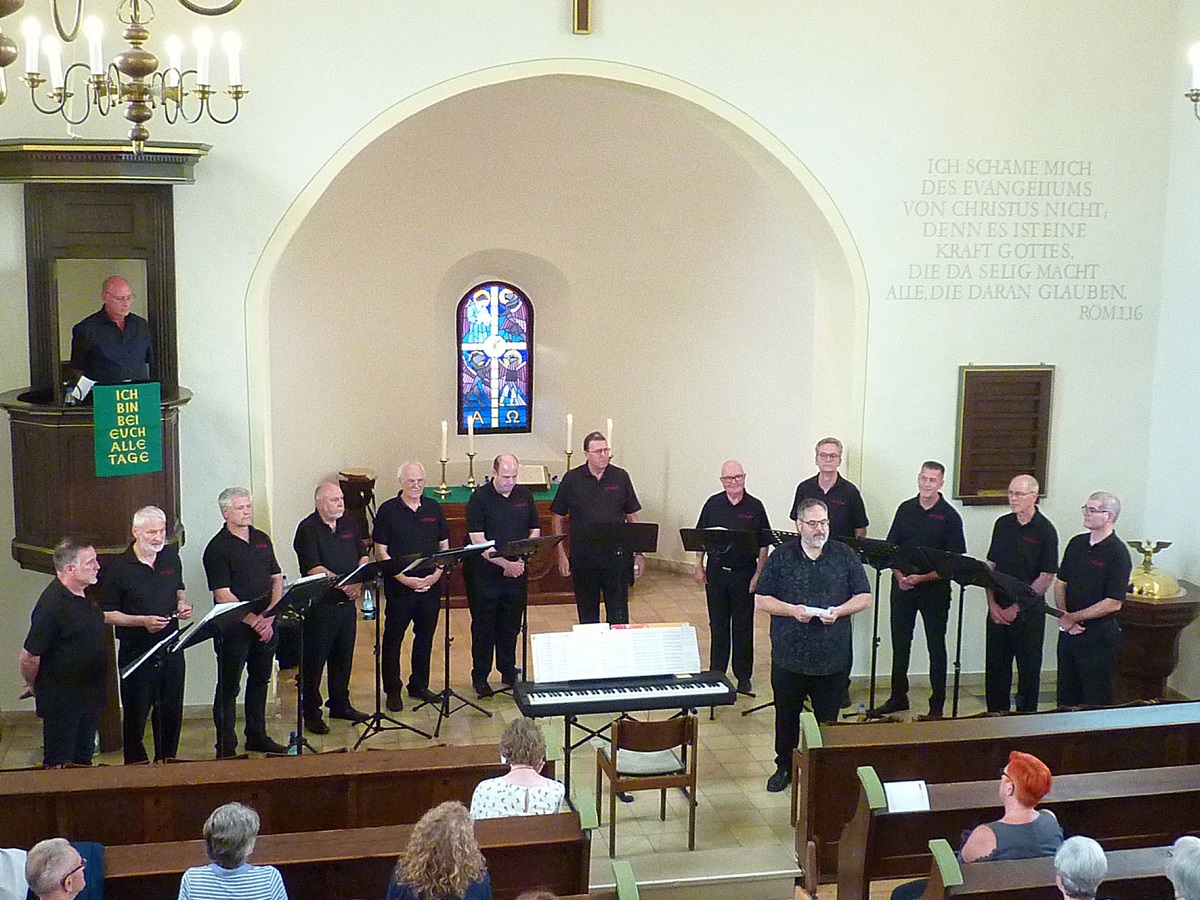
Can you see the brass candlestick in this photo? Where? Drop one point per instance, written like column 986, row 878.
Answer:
column 568, row 452
column 442, row 490
column 471, row 470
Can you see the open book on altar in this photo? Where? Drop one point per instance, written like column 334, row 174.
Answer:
column 617, row 651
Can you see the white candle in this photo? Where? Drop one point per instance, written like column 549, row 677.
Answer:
column 174, row 46
column 471, row 433
column 93, row 30
column 231, row 43
column 445, row 431
column 1194, row 59
column 570, row 431
column 31, row 30
column 52, row 47
column 610, row 439
column 203, row 40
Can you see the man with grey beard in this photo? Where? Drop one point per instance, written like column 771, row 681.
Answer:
column 810, row 588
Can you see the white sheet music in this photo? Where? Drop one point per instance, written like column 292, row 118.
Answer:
column 590, row 652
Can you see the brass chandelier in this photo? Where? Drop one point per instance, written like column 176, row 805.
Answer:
column 133, row 79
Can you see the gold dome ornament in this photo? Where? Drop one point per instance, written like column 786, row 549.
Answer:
column 1148, row 582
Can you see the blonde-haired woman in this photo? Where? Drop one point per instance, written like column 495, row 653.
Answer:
column 442, row 860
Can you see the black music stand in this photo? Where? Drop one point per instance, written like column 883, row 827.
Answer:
column 966, row 570
column 620, row 539
column 160, row 648
column 526, row 549
column 377, row 572
column 771, row 537
column 219, row 620
column 446, row 560
column 879, row 555
column 295, row 603
column 713, row 543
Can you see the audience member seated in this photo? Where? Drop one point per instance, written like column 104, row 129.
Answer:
column 1023, row 832
column 524, row 791
column 13, row 885
column 54, row 870
column 1183, row 868
column 442, row 860
column 229, row 836
column 1079, row 867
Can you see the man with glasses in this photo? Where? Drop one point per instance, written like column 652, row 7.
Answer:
column 847, row 513
column 112, row 344
column 730, row 578
column 1092, row 582
column 410, row 523
column 64, row 660
column 54, row 870
column 926, row 520
column 810, row 588
column 596, row 493
column 1025, row 546
column 501, row 511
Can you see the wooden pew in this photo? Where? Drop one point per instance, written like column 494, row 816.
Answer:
column 550, row 852
column 1122, row 809
column 147, row 804
column 824, row 785
column 1132, row 875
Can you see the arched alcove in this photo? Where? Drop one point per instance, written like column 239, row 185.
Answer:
column 692, row 280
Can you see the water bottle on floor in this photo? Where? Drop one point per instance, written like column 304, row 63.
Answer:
column 368, row 603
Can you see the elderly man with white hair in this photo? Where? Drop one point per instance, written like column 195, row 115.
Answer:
column 1092, row 582
column 1079, row 867
column 144, row 598
column 1183, row 868
column 54, row 870
column 1025, row 546
column 410, row 523
column 240, row 565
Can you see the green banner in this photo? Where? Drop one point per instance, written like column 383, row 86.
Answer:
column 128, row 429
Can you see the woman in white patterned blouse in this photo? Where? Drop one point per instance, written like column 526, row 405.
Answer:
column 523, row 791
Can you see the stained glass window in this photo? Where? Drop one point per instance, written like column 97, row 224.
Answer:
column 495, row 359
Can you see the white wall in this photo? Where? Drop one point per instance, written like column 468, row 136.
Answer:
column 855, row 95
column 1175, row 428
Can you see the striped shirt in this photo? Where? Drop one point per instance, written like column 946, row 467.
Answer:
column 246, row 882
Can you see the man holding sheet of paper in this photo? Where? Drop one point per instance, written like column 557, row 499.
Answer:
column 810, row 588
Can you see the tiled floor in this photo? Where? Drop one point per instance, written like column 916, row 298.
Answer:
column 734, row 810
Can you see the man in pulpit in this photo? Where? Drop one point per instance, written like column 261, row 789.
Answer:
column 112, row 345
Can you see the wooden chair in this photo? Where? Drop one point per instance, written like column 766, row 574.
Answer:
column 649, row 756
